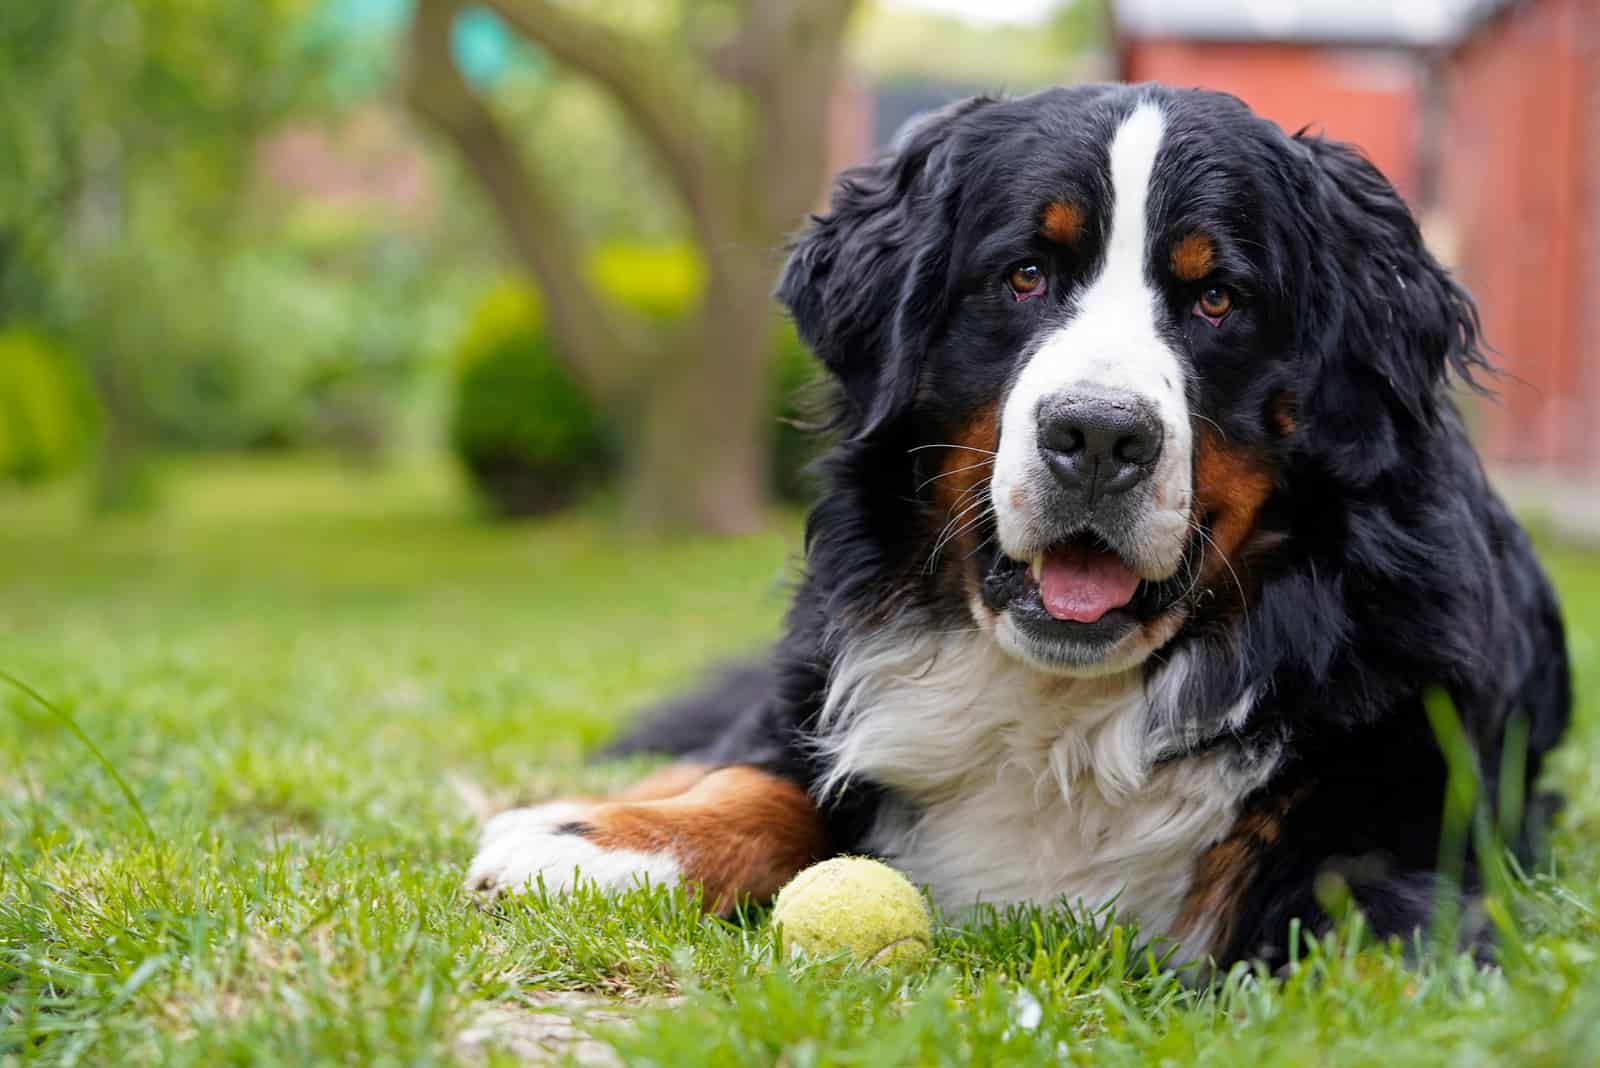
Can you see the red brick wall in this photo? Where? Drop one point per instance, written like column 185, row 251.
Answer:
column 1520, row 179
column 1588, row 223
column 1368, row 96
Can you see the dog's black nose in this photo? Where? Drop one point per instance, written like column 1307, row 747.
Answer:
column 1099, row 444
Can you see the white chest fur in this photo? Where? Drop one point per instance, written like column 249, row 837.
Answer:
column 1026, row 787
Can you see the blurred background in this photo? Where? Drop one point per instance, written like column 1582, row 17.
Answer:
column 515, row 255
column 391, row 404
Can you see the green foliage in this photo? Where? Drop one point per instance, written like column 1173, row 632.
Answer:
column 660, row 282
column 129, row 132
column 315, row 336
column 108, row 102
column 47, row 407
column 902, row 44
column 797, row 393
column 204, row 351
column 522, row 425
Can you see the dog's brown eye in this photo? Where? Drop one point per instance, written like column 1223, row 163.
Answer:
column 1026, row 280
column 1214, row 303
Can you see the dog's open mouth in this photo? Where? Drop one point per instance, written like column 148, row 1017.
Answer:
column 1080, row 580
column 1075, row 601
column 1079, row 589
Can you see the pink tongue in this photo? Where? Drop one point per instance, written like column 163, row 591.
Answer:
column 1082, row 584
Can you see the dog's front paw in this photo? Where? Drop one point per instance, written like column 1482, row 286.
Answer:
column 553, row 844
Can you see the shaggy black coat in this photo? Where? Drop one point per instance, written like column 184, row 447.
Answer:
column 1382, row 565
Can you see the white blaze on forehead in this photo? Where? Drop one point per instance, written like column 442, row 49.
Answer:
column 1112, row 342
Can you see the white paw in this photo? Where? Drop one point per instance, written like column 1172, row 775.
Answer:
column 525, row 846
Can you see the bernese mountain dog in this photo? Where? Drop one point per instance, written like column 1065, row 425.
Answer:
column 1148, row 529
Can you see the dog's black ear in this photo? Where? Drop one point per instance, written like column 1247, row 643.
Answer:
column 867, row 281
column 1383, row 322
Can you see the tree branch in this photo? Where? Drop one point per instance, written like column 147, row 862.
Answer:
column 596, row 335
column 640, row 78
column 788, row 54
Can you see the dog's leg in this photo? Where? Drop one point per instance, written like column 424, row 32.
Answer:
column 670, row 781
column 736, row 832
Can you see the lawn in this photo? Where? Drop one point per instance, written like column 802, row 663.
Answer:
column 307, row 677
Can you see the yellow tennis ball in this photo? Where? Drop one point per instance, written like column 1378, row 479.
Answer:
column 857, row 904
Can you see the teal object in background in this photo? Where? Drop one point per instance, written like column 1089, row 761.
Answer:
column 362, row 40
column 369, row 14
column 481, row 46
column 487, row 52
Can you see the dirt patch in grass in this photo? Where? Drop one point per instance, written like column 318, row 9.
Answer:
column 547, row 1029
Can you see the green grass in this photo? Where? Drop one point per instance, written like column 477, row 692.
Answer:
column 295, row 668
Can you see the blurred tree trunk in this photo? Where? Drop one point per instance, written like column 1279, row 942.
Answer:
column 702, row 446
column 123, row 479
column 696, row 402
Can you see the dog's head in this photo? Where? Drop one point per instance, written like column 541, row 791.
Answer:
column 1096, row 326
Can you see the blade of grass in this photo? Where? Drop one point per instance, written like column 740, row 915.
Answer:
column 88, row 743
column 1468, row 821
column 1460, row 799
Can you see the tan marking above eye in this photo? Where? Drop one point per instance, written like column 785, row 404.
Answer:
column 1193, row 257
column 1062, row 222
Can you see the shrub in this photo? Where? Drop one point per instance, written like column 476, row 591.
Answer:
column 206, row 354
column 48, row 413
column 531, row 438
column 522, row 426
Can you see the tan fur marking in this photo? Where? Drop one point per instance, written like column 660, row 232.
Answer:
column 739, row 833
column 670, row 781
column 1283, row 414
column 962, row 478
column 1062, row 222
column 1224, row 872
column 1193, row 257
column 1231, row 485
column 1162, row 629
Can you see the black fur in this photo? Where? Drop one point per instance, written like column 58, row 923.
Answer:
column 1383, row 563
